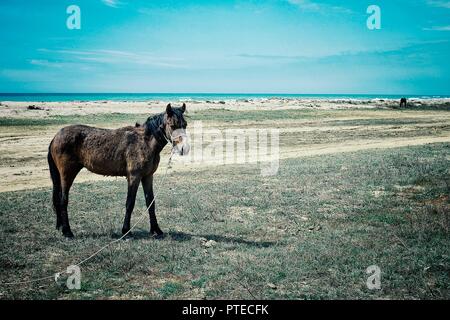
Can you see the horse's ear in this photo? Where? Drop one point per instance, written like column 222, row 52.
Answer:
column 183, row 107
column 169, row 110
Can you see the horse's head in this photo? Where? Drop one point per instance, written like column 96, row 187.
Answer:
column 175, row 128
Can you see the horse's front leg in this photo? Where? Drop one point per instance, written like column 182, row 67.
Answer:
column 133, row 185
column 147, row 184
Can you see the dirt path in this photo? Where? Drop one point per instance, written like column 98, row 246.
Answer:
column 360, row 146
column 32, row 176
column 34, row 173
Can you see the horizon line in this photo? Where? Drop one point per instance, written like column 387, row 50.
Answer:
column 216, row 93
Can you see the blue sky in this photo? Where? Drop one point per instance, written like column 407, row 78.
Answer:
column 278, row 46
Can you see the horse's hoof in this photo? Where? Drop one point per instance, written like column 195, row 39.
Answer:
column 159, row 236
column 68, row 234
column 156, row 230
column 128, row 236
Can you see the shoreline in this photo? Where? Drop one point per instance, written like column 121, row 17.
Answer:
column 239, row 100
column 199, row 96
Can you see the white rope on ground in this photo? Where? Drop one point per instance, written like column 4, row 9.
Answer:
column 29, row 281
column 57, row 274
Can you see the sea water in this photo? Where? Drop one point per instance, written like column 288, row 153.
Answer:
column 173, row 97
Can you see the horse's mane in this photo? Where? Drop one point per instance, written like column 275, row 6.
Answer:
column 153, row 124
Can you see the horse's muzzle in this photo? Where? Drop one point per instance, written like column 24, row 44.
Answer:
column 185, row 149
column 181, row 145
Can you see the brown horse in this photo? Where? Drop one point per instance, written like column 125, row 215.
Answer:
column 132, row 152
column 403, row 102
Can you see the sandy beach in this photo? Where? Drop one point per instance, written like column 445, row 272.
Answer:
column 19, row 108
column 23, row 146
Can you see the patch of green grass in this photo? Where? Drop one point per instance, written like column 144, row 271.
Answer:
column 380, row 122
column 225, row 116
column 169, row 289
column 200, row 282
column 103, row 118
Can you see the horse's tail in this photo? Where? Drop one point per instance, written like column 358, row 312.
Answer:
column 56, row 180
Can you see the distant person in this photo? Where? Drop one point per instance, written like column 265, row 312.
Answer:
column 403, row 102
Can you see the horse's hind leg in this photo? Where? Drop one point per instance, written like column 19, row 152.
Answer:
column 56, row 181
column 56, row 205
column 147, row 185
column 68, row 175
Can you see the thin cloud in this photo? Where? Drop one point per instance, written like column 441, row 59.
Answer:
column 45, row 63
column 112, row 3
column 57, row 64
column 309, row 5
column 437, row 28
column 51, row 64
column 305, row 4
column 341, row 54
column 105, row 56
column 308, row 57
column 272, row 57
column 439, row 3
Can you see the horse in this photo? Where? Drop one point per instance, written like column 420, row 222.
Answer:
column 132, row 152
column 403, row 102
